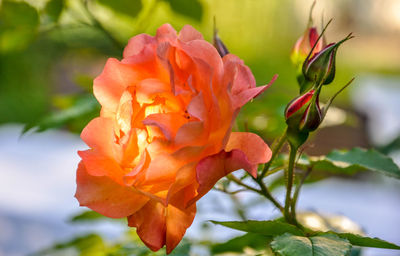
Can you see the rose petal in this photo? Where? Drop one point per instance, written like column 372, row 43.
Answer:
column 183, row 189
column 169, row 123
column 212, row 168
column 105, row 196
column 148, row 88
column 188, row 33
column 158, row 225
column 99, row 134
column 197, row 107
column 252, row 145
column 238, row 100
column 137, row 43
column 191, row 134
column 178, row 221
column 150, row 222
column 166, row 33
column 97, row 164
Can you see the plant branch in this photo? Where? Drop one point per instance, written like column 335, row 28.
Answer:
column 267, row 194
column 297, row 191
column 290, row 176
column 264, row 190
column 276, row 148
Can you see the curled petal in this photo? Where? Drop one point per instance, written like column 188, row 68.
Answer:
column 150, row 224
column 166, row 33
column 241, row 98
column 169, row 123
column 178, row 221
column 212, row 168
column 252, row 145
column 98, row 164
column 99, row 134
column 158, row 225
column 188, row 33
column 111, row 83
column 105, row 196
column 137, row 43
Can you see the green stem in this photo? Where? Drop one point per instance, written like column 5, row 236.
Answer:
column 275, row 152
column 264, row 190
column 297, row 192
column 289, row 185
column 267, row 194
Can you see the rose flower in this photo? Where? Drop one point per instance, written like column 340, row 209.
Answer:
column 163, row 138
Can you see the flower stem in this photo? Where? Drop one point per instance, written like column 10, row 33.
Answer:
column 264, row 190
column 277, row 147
column 267, row 194
column 290, row 177
column 297, row 192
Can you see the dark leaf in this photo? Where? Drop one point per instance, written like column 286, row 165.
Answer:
column 53, row 9
column 266, row 228
column 357, row 159
column 189, row 8
column 237, row 244
column 366, row 241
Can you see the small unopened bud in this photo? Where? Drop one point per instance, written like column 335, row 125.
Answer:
column 304, row 45
column 312, row 117
column 218, row 44
column 303, row 115
column 320, row 68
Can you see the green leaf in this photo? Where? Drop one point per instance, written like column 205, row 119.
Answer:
column 128, row 7
column 266, row 228
column 237, row 244
column 87, row 245
column 87, row 216
column 82, row 107
column 189, row 8
column 182, row 250
column 365, row 241
column 358, row 159
column 53, row 9
column 18, row 25
column 321, row 245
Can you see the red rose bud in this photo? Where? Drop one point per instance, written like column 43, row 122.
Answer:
column 304, row 45
column 218, row 44
column 303, row 113
column 320, row 68
column 297, row 103
column 312, row 117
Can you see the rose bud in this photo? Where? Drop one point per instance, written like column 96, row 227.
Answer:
column 304, row 45
column 218, row 44
column 303, row 115
column 308, row 44
column 320, row 68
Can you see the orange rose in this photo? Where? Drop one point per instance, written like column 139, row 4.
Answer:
column 163, row 138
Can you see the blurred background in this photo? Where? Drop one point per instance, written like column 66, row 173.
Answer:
column 50, row 52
